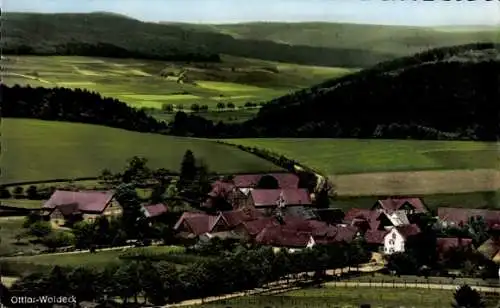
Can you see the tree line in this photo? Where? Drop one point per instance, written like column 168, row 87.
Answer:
column 159, row 282
column 74, row 105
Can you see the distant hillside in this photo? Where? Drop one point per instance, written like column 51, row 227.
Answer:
column 395, row 40
column 111, row 35
column 446, row 93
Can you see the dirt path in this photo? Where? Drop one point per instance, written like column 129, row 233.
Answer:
column 417, row 182
column 348, row 284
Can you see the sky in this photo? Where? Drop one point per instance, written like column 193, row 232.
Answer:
column 388, row 12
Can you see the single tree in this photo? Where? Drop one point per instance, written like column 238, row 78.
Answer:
column 5, row 193
column 466, row 297
column 268, row 182
column 18, row 192
column 230, row 106
column 188, row 170
column 195, row 107
column 221, row 105
column 32, row 192
column 167, row 108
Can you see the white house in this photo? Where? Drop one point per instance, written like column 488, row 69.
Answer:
column 395, row 240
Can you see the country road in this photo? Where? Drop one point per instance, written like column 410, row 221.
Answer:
column 433, row 286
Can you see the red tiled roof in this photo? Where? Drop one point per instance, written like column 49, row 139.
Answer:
column 253, row 227
column 445, row 244
column 355, row 215
column 375, row 236
column 285, row 180
column 346, row 234
column 408, row 230
column 280, row 236
column 462, row 215
column 270, row 197
column 68, row 209
column 87, row 201
column 199, row 223
column 394, row 204
column 234, row 218
column 221, row 189
column 154, row 210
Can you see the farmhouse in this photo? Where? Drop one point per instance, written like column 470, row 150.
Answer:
column 449, row 216
column 193, row 224
column 373, row 220
column 233, row 192
column 395, row 239
column 74, row 205
column 408, row 205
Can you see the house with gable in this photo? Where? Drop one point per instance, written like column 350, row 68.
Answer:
column 192, row 225
column 233, row 192
column 409, row 206
column 396, row 239
column 268, row 199
column 65, row 206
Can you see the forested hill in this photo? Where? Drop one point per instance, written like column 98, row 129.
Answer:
column 101, row 34
column 450, row 93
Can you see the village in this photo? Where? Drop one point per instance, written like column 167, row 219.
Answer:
column 285, row 217
column 277, row 223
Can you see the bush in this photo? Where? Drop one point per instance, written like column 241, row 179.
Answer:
column 18, row 192
column 32, row 193
column 230, row 106
column 195, row 107
column 5, row 193
column 59, row 239
column 40, row 229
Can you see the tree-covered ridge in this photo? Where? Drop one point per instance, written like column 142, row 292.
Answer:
column 100, row 34
column 62, row 104
column 449, row 93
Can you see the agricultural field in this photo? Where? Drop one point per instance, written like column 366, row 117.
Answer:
column 24, row 203
column 151, row 84
column 343, row 298
column 43, row 150
column 350, row 156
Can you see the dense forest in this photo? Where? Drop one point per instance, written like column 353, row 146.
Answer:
column 99, row 34
column 61, row 104
column 446, row 93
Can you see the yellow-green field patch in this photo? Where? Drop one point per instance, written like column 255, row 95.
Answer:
column 226, row 86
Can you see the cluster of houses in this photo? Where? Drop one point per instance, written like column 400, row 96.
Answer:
column 284, row 217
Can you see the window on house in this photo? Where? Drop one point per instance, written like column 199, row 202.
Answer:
column 391, row 250
column 391, row 242
column 394, row 236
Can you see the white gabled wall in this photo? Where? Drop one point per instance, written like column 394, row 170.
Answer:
column 394, row 242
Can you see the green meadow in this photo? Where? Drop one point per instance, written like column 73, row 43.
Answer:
column 346, row 156
column 343, row 298
column 151, row 84
column 44, row 150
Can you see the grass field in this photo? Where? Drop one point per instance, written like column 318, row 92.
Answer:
column 346, row 156
column 100, row 259
column 140, row 82
column 343, row 298
column 10, row 227
column 44, row 150
column 25, row 203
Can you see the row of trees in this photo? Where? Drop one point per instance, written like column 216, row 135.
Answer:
column 74, row 105
column 160, row 282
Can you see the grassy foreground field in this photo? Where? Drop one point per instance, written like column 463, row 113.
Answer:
column 100, row 259
column 44, row 150
column 347, row 156
column 344, row 298
column 146, row 83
